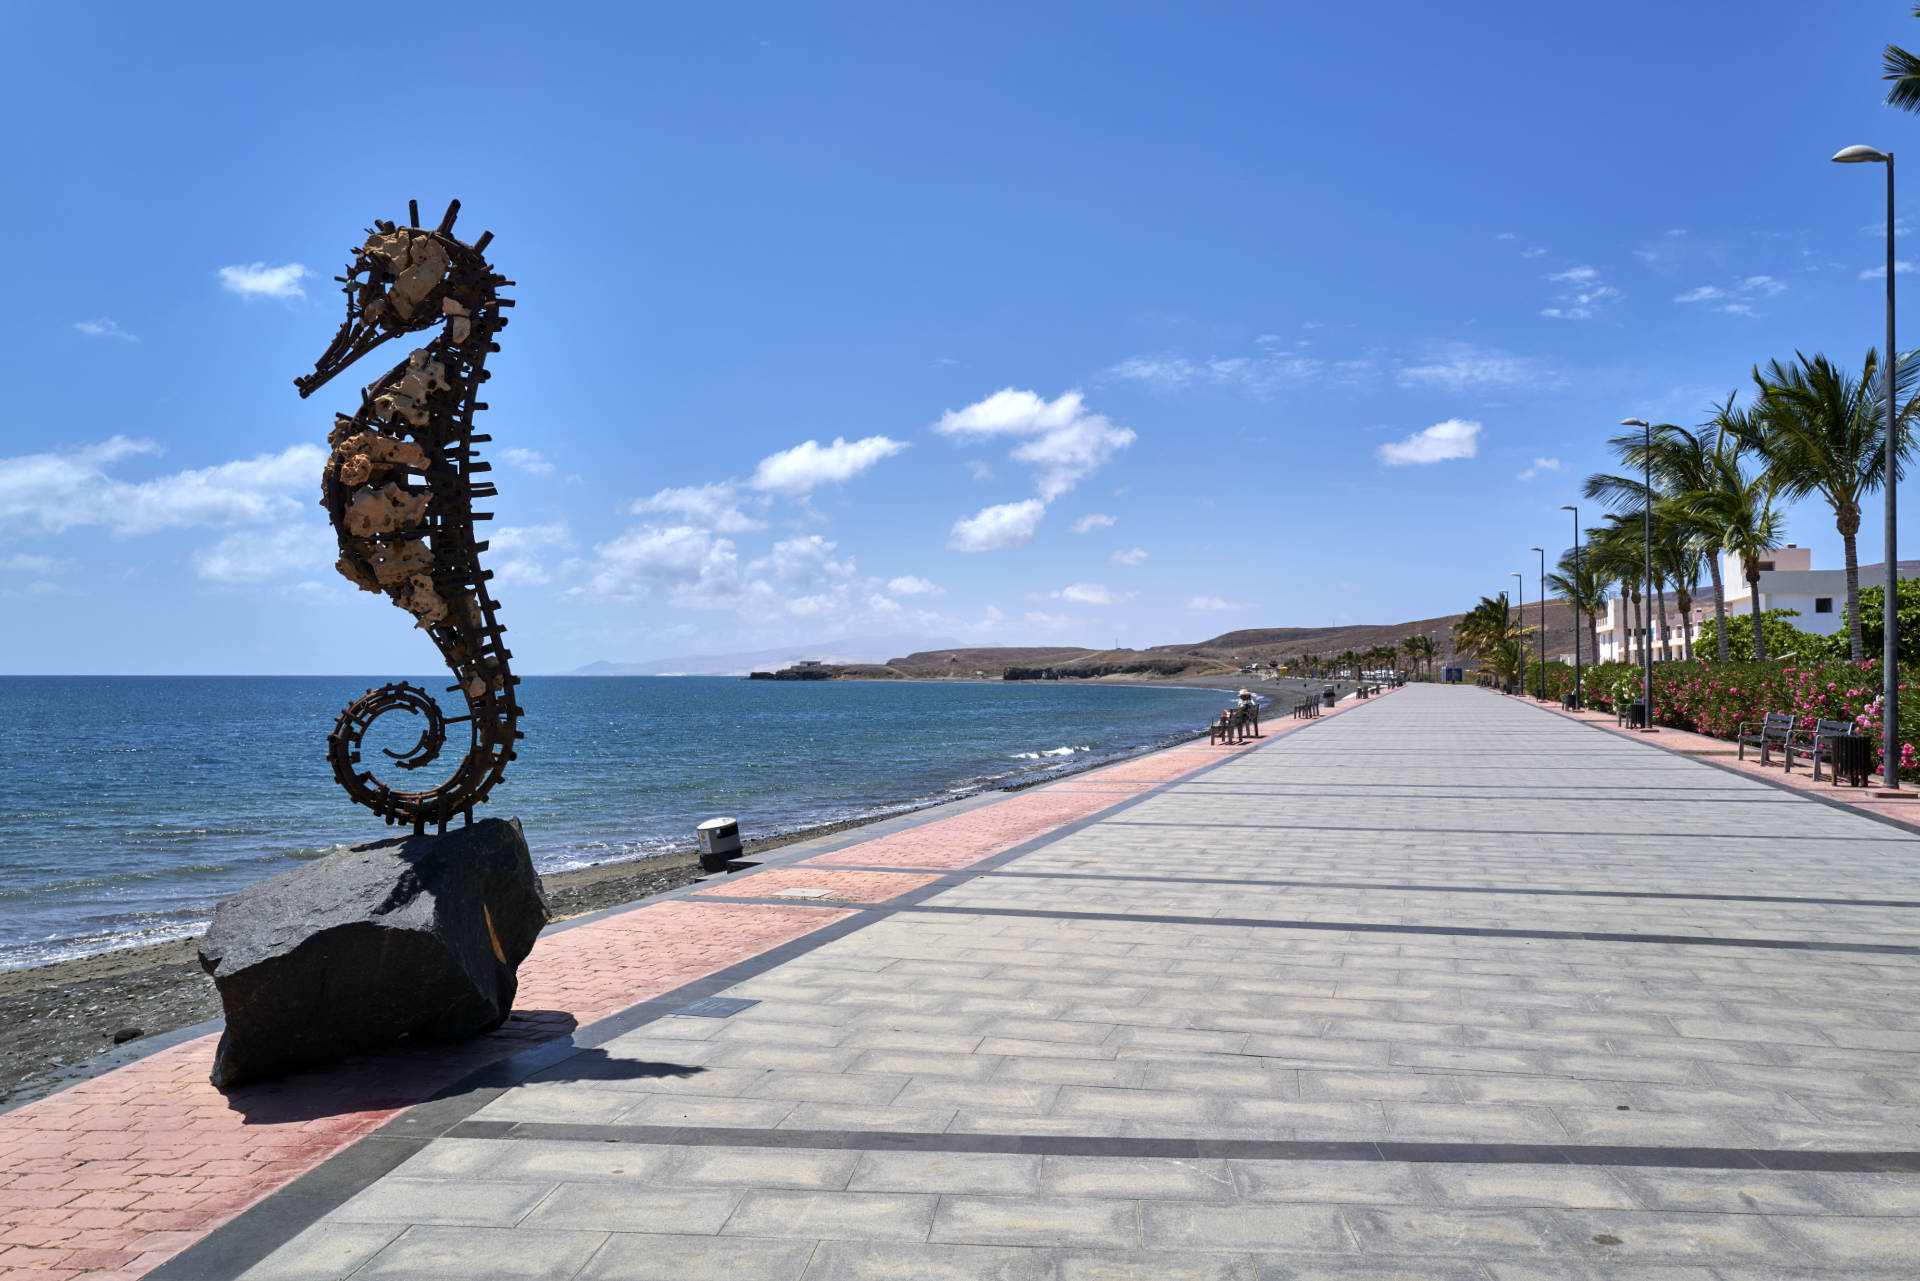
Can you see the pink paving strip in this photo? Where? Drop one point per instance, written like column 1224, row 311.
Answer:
column 851, row 887
column 113, row 1177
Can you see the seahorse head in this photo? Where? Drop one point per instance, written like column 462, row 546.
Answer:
column 401, row 281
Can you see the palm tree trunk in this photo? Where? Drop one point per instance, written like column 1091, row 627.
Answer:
column 1666, row 640
column 1855, row 646
column 1683, row 598
column 1639, row 633
column 1759, row 637
column 1719, row 602
column 1593, row 634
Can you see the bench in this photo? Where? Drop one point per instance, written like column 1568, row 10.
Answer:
column 1818, row 747
column 1234, row 725
column 1773, row 730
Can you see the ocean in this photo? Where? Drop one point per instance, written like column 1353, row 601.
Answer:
column 130, row 805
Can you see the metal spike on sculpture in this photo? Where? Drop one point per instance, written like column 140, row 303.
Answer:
column 400, row 486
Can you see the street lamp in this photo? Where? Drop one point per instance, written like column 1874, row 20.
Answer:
column 1521, row 589
column 1568, row 507
column 1889, row 649
column 1543, row 621
column 1646, row 534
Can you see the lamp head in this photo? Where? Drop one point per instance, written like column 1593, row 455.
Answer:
column 1569, row 507
column 1860, row 155
column 1633, row 422
column 1541, row 550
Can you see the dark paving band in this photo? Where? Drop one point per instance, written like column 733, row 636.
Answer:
column 880, row 910
column 1526, row 832
column 1797, row 1160
column 1420, row 889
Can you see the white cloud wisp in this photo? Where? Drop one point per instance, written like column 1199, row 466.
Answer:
column 1454, row 438
column 257, row 280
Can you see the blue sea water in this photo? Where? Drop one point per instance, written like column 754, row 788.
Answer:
column 130, row 805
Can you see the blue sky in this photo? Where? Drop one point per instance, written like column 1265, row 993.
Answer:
column 1015, row 324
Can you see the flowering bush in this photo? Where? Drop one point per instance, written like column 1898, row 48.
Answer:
column 1714, row 698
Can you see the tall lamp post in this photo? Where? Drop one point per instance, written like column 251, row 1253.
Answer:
column 1520, row 588
column 1543, row 620
column 1568, row 507
column 1646, row 534
column 1890, row 649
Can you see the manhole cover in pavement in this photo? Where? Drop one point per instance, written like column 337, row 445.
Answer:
column 803, row 891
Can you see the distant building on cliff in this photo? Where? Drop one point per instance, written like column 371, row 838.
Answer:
column 1788, row 580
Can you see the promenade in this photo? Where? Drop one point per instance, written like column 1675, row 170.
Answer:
column 1444, row 986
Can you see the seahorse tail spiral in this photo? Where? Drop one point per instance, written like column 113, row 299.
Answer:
column 469, row 784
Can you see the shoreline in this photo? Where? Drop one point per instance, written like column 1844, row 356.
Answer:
column 56, row 1016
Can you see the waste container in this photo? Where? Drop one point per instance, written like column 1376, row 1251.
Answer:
column 1330, row 695
column 1637, row 714
column 719, row 842
column 1852, row 758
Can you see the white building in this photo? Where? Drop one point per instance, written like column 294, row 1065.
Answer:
column 1788, row 580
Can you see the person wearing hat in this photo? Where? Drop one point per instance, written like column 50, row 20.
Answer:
column 1250, row 710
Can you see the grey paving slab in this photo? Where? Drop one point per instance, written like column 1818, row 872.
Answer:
column 1291, row 947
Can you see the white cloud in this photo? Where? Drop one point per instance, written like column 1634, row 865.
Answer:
column 1454, row 438
column 1583, row 291
column 996, row 528
column 257, row 280
column 30, row 563
column 715, row 507
column 53, row 492
column 798, row 471
column 1052, row 622
column 912, row 585
column 677, row 557
column 519, row 546
column 1533, row 253
column 528, row 460
column 1259, row 375
column 1539, row 465
column 1506, row 235
column 1134, row 556
column 1212, row 605
column 1747, row 287
column 803, row 561
column 303, row 550
column 1901, row 267
column 1092, row 521
column 1093, row 594
column 104, row 327
column 1901, row 227
column 979, row 470
column 1064, row 440
column 1460, row 366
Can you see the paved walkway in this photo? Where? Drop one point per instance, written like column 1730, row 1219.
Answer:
column 1443, row 986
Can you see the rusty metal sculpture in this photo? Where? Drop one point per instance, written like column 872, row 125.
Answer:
column 400, row 487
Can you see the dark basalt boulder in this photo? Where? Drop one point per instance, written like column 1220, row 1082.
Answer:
column 416, row 938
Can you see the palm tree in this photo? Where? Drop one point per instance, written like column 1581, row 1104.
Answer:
column 1615, row 554
column 1584, row 591
column 1903, row 69
column 1821, row 430
column 1419, row 649
column 1677, row 558
column 1739, row 509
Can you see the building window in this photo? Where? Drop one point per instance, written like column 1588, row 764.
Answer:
column 1823, row 604
column 1766, row 566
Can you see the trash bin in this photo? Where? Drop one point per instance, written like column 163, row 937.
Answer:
column 1852, row 758
column 719, row 842
column 1637, row 714
column 1330, row 696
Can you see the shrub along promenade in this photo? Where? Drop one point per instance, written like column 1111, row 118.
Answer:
column 1440, row 986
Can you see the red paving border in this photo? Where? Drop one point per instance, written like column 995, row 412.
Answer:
column 112, row 1177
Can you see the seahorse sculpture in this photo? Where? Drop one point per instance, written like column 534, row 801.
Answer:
column 399, row 486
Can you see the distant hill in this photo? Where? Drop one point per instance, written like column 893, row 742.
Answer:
column 1265, row 644
column 844, row 650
